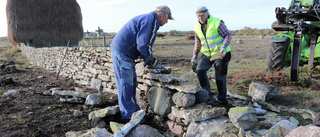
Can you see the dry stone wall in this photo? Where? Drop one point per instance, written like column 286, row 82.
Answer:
column 86, row 65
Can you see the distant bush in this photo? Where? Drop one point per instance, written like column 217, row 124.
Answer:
column 189, row 37
column 173, row 33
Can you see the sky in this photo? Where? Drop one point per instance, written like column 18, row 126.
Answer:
column 111, row 15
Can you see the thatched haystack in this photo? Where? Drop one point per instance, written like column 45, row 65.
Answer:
column 44, row 23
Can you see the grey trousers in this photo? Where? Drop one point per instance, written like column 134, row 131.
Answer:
column 221, row 70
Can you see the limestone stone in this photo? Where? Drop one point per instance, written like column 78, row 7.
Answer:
column 77, row 113
column 144, row 131
column 294, row 121
column 94, row 100
column 140, row 69
column 115, row 126
column 197, row 112
column 96, row 84
column 68, row 93
column 234, row 95
column 94, row 132
column 187, row 87
column 160, row 100
column 108, row 111
column 92, row 70
column 175, row 128
column 211, row 128
column 282, row 128
column 202, row 96
column 135, row 120
column 243, row 117
column 239, row 41
column 271, row 119
column 190, row 77
column 183, row 100
column 260, row 111
column 262, row 91
column 104, row 78
column 143, row 87
column 164, row 78
column 11, row 93
column 268, row 106
column 316, row 118
column 305, row 131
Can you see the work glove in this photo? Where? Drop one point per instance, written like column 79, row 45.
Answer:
column 153, row 62
column 223, row 48
column 194, row 67
column 194, row 63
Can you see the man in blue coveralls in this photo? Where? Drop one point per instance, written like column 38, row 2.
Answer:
column 135, row 39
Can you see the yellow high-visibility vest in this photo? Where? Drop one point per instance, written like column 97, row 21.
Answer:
column 212, row 42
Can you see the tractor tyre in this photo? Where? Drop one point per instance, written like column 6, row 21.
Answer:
column 276, row 56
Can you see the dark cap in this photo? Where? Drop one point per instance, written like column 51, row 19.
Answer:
column 165, row 9
column 201, row 9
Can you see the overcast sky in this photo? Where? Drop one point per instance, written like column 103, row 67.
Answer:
column 111, row 15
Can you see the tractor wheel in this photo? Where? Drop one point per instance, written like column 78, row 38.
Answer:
column 276, row 56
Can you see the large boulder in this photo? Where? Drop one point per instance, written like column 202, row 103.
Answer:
column 305, row 131
column 282, row 128
column 213, row 127
column 144, row 131
column 262, row 91
column 183, row 100
column 243, row 117
column 160, row 100
column 198, row 112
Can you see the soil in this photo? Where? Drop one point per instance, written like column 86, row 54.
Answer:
column 31, row 113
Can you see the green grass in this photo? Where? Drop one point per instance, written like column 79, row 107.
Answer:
column 12, row 53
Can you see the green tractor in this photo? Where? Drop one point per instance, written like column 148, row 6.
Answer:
column 298, row 43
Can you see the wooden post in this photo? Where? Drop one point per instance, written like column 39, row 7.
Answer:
column 104, row 41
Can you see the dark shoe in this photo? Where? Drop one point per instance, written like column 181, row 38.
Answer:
column 218, row 102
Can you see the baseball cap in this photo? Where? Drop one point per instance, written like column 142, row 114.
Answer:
column 165, row 9
column 201, row 9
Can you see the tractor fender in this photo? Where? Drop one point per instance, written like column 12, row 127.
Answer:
column 278, row 39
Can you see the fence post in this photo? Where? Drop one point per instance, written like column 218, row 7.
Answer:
column 92, row 42
column 104, row 41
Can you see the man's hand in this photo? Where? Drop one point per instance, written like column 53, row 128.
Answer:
column 223, row 48
column 153, row 62
column 193, row 61
column 194, row 64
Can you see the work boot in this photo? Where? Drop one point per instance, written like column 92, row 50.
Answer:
column 210, row 97
column 218, row 102
column 218, row 55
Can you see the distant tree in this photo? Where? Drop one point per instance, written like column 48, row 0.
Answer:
column 173, row 33
column 161, row 35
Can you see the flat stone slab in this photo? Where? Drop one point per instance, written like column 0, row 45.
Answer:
column 196, row 113
column 69, row 93
column 108, row 111
column 186, row 87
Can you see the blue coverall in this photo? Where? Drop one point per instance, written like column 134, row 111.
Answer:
column 134, row 39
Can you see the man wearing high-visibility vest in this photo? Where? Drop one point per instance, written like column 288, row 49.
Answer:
column 212, row 39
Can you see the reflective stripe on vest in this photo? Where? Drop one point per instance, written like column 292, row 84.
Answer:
column 212, row 42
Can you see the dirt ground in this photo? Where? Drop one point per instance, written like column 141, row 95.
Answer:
column 31, row 113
